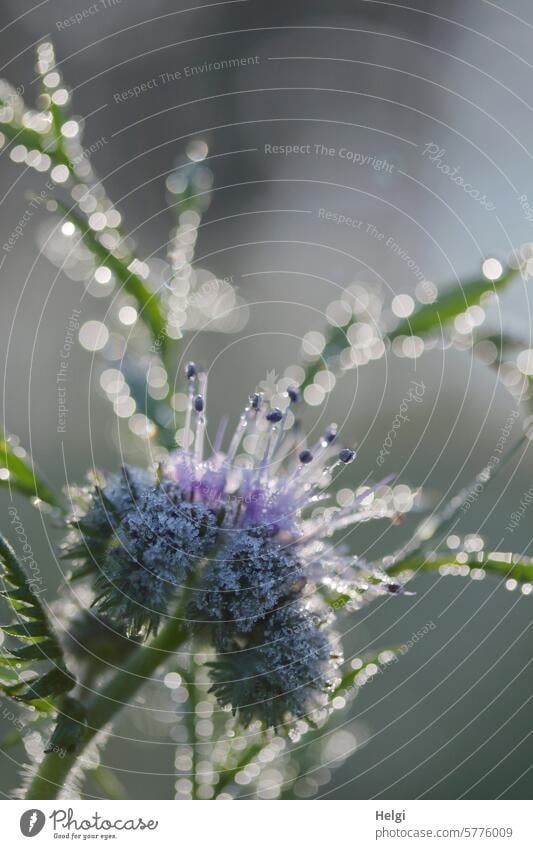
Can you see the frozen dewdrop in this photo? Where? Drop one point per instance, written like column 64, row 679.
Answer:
column 127, row 315
column 60, row 97
column 314, row 395
column 18, row 153
column 402, row 306
column 97, row 221
column 313, row 343
column 492, row 269
column 197, row 150
column 524, row 361
column 60, row 174
column 93, row 335
column 70, row 129
column 102, row 275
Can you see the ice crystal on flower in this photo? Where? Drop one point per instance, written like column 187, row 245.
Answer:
column 247, row 580
column 157, row 545
column 282, row 673
column 98, row 511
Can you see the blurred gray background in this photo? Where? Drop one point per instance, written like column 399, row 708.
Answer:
column 383, row 79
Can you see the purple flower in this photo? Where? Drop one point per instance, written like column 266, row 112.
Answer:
column 246, row 533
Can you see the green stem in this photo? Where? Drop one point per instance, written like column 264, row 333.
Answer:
column 145, row 660
column 191, row 726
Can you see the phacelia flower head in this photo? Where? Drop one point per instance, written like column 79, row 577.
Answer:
column 98, row 510
column 245, row 534
column 249, row 578
column 156, row 547
column 282, row 672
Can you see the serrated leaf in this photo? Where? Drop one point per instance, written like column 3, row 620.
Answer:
column 13, row 572
column 14, row 690
column 8, row 675
column 15, row 576
column 46, row 650
column 27, row 630
column 33, row 627
column 21, row 595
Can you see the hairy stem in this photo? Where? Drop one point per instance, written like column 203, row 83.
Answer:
column 103, row 707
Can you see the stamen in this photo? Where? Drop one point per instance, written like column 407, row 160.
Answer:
column 347, row 455
column 199, row 406
column 330, row 435
column 190, row 372
column 319, row 453
column 347, row 511
column 219, row 438
column 250, row 411
column 339, row 519
column 274, row 416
